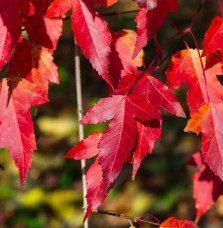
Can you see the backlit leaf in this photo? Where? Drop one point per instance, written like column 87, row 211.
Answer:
column 148, row 21
column 206, row 186
column 16, row 127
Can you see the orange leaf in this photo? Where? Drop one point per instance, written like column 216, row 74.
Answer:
column 172, row 222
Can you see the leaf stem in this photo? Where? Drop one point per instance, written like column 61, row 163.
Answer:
column 219, row 2
column 157, row 55
column 202, row 65
column 116, row 214
column 81, row 129
column 181, row 33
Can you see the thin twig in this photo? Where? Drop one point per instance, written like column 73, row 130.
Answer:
column 113, row 213
column 197, row 13
column 81, row 129
column 185, row 32
column 219, row 2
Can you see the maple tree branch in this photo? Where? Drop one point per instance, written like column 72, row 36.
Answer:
column 81, row 129
column 116, row 214
column 185, row 32
column 196, row 15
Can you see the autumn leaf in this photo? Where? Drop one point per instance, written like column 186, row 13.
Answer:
column 95, row 188
column 205, row 97
column 148, row 133
column 120, row 136
column 26, row 7
column 159, row 94
column 172, row 222
column 208, row 121
column 206, row 186
column 90, row 31
column 35, row 63
column 58, row 8
column 10, row 29
column 213, row 37
column 185, row 67
column 16, row 127
column 86, row 148
column 121, row 62
column 42, row 30
column 148, row 21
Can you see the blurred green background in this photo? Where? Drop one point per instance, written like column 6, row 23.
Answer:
column 53, row 189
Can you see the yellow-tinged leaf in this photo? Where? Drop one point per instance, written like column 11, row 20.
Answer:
column 195, row 123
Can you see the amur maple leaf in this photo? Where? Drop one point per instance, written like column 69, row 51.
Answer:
column 207, row 186
column 16, row 127
column 90, row 31
column 148, row 21
column 172, row 222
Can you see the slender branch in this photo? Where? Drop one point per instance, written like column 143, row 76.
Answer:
column 114, row 213
column 181, row 33
column 176, row 34
column 197, row 13
column 185, row 32
column 219, row 2
column 81, row 129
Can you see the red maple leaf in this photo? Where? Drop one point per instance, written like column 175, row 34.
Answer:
column 186, row 68
column 42, row 30
column 121, row 62
column 35, row 63
column 95, row 186
column 86, row 148
column 148, row 133
column 16, row 127
column 90, row 31
column 172, row 222
column 10, row 29
column 205, row 97
column 148, row 21
column 120, row 136
column 207, row 186
column 213, row 37
column 208, row 121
